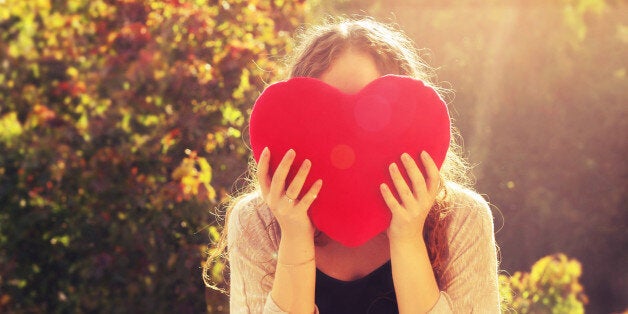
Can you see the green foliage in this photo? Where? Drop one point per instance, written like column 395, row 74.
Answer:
column 552, row 286
column 120, row 127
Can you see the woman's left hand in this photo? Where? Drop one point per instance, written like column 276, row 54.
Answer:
column 408, row 216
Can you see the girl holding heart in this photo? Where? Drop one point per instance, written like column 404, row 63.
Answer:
column 438, row 254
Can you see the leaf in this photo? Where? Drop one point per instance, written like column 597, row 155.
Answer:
column 10, row 127
column 205, row 174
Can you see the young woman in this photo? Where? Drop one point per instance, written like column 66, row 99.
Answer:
column 438, row 254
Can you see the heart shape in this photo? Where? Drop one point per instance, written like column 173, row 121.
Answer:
column 350, row 139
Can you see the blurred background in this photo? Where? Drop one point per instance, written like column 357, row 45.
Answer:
column 122, row 122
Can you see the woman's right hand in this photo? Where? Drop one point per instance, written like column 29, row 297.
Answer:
column 290, row 212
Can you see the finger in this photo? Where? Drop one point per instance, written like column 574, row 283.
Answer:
column 262, row 171
column 294, row 189
column 390, row 200
column 414, row 173
column 311, row 194
column 407, row 198
column 279, row 177
column 433, row 175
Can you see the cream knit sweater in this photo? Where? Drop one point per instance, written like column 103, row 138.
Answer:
column 468, row 282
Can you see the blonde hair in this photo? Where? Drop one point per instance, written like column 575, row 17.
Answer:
column 394, row 53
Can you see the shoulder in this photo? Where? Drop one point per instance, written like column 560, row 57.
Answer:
column 251, row 245
column 469, row 214
column 460, row 196
column 249, row 218
column 469, row 271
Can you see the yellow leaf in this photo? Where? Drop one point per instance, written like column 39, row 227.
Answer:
column 10, row 127
column 205, row 174
column 72, row 72
column 244, row 85
column 214, row 235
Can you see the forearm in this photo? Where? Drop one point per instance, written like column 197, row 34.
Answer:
column 415, row 284
column 295, row 275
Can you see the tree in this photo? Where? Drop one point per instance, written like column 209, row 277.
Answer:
column 120, row 128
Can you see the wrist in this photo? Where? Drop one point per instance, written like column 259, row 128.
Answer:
column 401, row 244
column 405, row 239
column 295, row 249
column 297, row 230
column 297, row 236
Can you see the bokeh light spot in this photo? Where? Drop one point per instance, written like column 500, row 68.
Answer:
column 373, row 113
column 342, row 156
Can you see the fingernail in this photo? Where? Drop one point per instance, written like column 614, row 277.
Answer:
column 406, row 157
column 393, row 167
column 424, row 155
column 265, row 150
column 307, row 163
column 383, row 186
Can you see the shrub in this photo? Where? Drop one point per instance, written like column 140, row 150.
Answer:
column 120, row 126
column 552, row 286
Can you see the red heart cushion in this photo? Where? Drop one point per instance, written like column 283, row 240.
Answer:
column 351, row 140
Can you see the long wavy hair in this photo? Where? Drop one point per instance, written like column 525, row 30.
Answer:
column 394, row 53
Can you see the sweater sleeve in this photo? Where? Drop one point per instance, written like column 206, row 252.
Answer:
column 469, row 279
column 252, row 244
column 468, row 282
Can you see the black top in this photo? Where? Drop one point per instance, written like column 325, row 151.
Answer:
column 372, row 294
